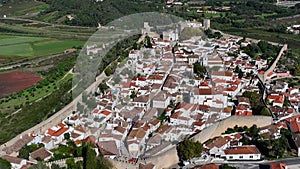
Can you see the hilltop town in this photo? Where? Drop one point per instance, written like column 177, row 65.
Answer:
column 175, row 89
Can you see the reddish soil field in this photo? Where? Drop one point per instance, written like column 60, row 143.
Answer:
column 11, row 82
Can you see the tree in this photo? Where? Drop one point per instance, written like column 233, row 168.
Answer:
column 189, row 149
column 108, row 71
column 147, row 42
column 4, row 164
column 24, row 152
column 103, row 87
column 70, row 163
column 55, row 166
column 67, row 136
column 265, row 112
column 199, row 69
column 254, row 131
column 39, row 165
column 133, row 95
column 89, row 157
column 241, row 74
column 237, row 69
column 297, row 71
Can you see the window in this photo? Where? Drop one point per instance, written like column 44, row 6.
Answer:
column 241, row 156
column 230, row 157
column 251, row 156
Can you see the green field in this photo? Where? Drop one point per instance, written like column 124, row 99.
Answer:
column 10, row 40
column 54, row 47
column 11, row 46
column 24, row 50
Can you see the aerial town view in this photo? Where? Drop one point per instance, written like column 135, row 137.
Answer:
column 149, row 84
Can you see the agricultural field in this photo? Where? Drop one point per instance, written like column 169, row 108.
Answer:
column 24, row 47
column 15, row 81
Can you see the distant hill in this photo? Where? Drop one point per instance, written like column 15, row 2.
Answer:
column 90, row 12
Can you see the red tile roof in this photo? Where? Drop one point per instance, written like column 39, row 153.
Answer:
column 295, row 126
column 275, row 165
column 57, row 133
column 210, row 166
column 242, row 150
column 105, row 112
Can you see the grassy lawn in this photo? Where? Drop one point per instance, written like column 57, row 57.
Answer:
column 24, row 50
column 11, row 46
column 264, row 15
column 240, row 20
column 10, row 40
column 54, row 47
column 214, row 15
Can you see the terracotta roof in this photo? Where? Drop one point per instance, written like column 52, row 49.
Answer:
column 244, row 99
column 204, row 107
column 146, row 166
column 277, row 98
column 221, row 73
column 219, row 142
column 176, row 115
column 108, row 148
column 80, row 128
column 242, row 150
column 155, row 77
column 227, row 110
column 275, row 165
column 154, row 122
column 199, row 123
column 105, row 112
column 163, row 128
column 238, row 136
column 41, row 153
column 138, row 133
column 120, row 129
column 140, row 78
column 203, row 91
column 295, row 126
column 12, row 159
column 46, row 139
column 209, row 166
column 143, row 99
column 243, row 113
column 57, row 133
column 74, row 135
column 18, row 144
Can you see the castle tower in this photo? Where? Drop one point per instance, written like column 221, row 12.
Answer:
column 206, row 24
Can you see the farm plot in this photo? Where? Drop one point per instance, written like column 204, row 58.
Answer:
column 16, row 47
column 11, row 82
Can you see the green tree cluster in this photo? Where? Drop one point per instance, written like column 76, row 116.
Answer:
column 257, row 106
column 4, row 164
column 25, row 150
column 189, row 149
column 147, row 42
column 199, row 70
column 91, row 161
column 90, row 13
column 270, row 147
